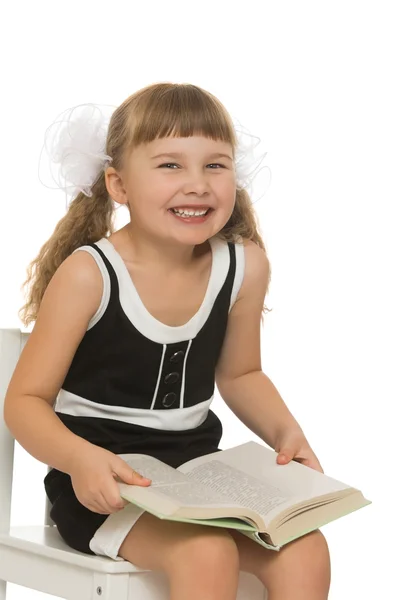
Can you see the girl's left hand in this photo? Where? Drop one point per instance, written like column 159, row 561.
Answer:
column 295, row 447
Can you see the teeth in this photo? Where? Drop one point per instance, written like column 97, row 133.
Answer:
column 189, row 213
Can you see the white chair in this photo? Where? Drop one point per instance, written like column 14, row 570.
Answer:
column 36, row 557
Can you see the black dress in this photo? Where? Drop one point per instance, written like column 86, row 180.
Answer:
column 136, row 385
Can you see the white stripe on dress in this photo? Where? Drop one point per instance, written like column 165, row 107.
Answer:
column 159, row 376
column 143, row 320
column 182, row 398
column 239, row 274
column 105, row 298
column 171, row 419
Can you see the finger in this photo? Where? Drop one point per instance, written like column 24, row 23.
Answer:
column 285, row 456
column 103, row 504
column 99, row 505
column 113, row 501
column 139, row 479
column 126, row 474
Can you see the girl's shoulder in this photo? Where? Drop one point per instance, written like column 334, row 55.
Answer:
column 81, row 271
column 253, row 252
column 256, row 274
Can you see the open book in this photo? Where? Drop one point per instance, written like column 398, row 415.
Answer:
column 243, row 488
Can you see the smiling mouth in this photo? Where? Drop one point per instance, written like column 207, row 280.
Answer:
column 190, row 212
column 191, row 216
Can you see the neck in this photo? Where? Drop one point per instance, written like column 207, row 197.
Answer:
column 157, row 253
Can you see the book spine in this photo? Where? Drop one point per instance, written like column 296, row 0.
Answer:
column 255, row 536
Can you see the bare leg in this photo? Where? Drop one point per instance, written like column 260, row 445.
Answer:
column 299, row 571
column 201, row 563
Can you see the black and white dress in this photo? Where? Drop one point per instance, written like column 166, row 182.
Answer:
column 136, row 385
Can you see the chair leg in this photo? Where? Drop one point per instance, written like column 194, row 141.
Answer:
column 3, row 589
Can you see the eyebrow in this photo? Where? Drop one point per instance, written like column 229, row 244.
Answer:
column 180, row 155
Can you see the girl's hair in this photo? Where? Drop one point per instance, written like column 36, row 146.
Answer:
column 156, row 111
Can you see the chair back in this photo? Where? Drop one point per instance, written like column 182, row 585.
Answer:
column 12, row 342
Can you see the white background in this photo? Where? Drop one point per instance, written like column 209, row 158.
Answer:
column 319, row 83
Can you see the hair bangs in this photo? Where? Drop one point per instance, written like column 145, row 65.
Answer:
column 180, row 111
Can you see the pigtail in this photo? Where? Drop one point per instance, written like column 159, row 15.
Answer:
column 88, row 219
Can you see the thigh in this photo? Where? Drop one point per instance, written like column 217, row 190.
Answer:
column 253, row 557
column 158, row 544
column 308, row 554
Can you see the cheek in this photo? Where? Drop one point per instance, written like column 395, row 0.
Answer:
column 227, row 190
column 160, row 188
column 149, row 191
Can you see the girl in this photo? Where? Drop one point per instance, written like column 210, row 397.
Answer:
column 134, row 327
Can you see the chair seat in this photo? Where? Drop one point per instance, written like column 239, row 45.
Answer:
column 46, row 541
column 76, row 574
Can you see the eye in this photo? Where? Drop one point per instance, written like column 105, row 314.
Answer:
column 176, row 165
column 166, row 165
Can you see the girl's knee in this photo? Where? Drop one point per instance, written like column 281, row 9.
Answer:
column 313, row 560
column 206, row 565
column 208, row 551
column 311, row 553
column 317, row 544
column 172, row 547
column 312, row 544
column 307, row 561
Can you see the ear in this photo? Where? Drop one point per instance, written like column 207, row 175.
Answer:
column 115, row 185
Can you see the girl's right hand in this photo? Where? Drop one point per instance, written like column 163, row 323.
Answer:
column 93, row 472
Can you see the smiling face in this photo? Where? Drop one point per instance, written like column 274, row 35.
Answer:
column 165, row 178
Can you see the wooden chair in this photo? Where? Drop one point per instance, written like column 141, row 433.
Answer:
column 36, row 557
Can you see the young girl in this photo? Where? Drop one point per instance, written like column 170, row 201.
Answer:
column 134, row 327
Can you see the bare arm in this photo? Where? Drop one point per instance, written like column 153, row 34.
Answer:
column 71, row 299
column 248, row 391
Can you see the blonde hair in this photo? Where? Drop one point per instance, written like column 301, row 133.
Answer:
column 156, row 111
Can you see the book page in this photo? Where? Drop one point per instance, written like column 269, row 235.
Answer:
column 243, row 489
column 289, row 484
column 173, row 484
column 154, row 469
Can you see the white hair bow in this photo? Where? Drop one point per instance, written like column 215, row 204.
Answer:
column 75, row 148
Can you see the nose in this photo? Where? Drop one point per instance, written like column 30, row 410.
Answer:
column 196, row 181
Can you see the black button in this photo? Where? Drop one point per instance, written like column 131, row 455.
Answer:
column 169, row 399
column 171, row 377
column 177, row 356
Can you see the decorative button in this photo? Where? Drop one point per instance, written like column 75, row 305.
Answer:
column 171, row 378
column 177, row 356
column 169, row 399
